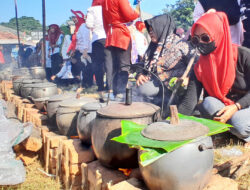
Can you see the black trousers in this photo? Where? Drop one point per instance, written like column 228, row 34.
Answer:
column 56, row 63
column 120, row 61
column 98, row 61
column 87, row 74
column 48, row 73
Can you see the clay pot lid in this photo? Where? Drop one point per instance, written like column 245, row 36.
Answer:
column 43, row 85
column 36, row 67
column 93, row 106
column 30, row 81
column 122, row 111
column 76, row 103
column 61, row 97
column 184, row 130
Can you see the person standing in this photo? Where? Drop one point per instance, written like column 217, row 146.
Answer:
column 55, row 38
column 81, row 41
column 94, row 22
column 245, row 7
column 232, row 10
column 2, row 61
column 116, row 13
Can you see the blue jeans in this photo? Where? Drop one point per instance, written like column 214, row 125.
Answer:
column 240, row 120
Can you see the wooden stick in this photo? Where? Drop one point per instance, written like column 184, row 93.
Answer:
column 174, row 119
column 47, row 141
column 98, row 178
column 59, row 160
column 84, row 171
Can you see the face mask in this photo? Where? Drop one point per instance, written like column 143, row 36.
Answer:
column 206, row 49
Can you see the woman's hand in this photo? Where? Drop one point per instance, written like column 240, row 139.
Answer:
column 226, row 113
column 142, row 79
column 53, row 77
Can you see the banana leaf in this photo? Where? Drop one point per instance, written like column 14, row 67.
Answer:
column 153, row 149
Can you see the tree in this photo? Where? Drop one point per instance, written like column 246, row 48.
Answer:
column 26, row 24
column 182, row 12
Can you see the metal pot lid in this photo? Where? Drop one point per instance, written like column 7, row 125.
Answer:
column 76, row 103
column 43, row 85
column 61, row 97
column 185, row 130
column 122, row 111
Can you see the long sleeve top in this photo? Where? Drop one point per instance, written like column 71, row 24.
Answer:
column 59, row 45
column 83, row 37
column 94, row 22
column 236, row 30
column 65, row 46
column 65, row 72
column 116, row 13
column 240, row 91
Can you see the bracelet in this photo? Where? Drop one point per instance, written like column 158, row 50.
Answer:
column 238, row 107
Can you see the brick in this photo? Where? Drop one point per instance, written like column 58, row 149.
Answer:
column 79, row 187
column 53, row 153
column 124, row 185
column 27, row 157
column 52, row 163
column 55, row 141
column 79, row 154
column 76, row 180
column 221, row 183
column 33, row 144
column 107, row 175
column 75, row 169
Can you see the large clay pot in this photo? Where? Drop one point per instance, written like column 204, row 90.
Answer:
column 188, row 167
column 53, row 104
column 17, row 84
column 86, row 119
column 42, row 90
column 108, row 125
column 67, row 113
column 38, row 73
column 26, row 87
column 40, row 103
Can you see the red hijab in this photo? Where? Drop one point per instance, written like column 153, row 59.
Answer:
column 53, row 37
column 140, row 26
column 80, row 18
column 97, row 2
column 217, row 70
column 2, row 61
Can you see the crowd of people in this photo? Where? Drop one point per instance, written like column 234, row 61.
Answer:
column 111, row 37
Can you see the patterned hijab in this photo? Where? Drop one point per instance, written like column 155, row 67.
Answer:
column 54, row 36
column 163, row 26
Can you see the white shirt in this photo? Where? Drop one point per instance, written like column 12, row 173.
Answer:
column 65, row 46
column 59, row 43
column 94, row 22
column 236, row 30
column 48, row 60
column 65, row 72
column 83, row 39
column 141, row 42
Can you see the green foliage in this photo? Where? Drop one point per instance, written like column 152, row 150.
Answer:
column 153, row 149
column 26, row 24
column 182, row 12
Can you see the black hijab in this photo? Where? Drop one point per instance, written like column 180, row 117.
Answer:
column 230, row 7
column 163, row 26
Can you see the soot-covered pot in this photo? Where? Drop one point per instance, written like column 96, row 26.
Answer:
column 53, row 104
column 42, row 90
column 86, row 119
column 26, row 87
column 188, row 167
column 67, row 114
column 17, row 84
column 108, row 125
column 38, row 73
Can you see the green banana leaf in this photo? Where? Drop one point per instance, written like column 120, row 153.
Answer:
column 153, row 149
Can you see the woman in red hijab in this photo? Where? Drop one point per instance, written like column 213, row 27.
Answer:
column 2, row 61
column 223, row 70
column 55, row 38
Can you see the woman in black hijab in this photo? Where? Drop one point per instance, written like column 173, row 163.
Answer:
column 167, row 57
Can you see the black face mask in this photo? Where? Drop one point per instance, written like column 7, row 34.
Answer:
column 206, row 49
